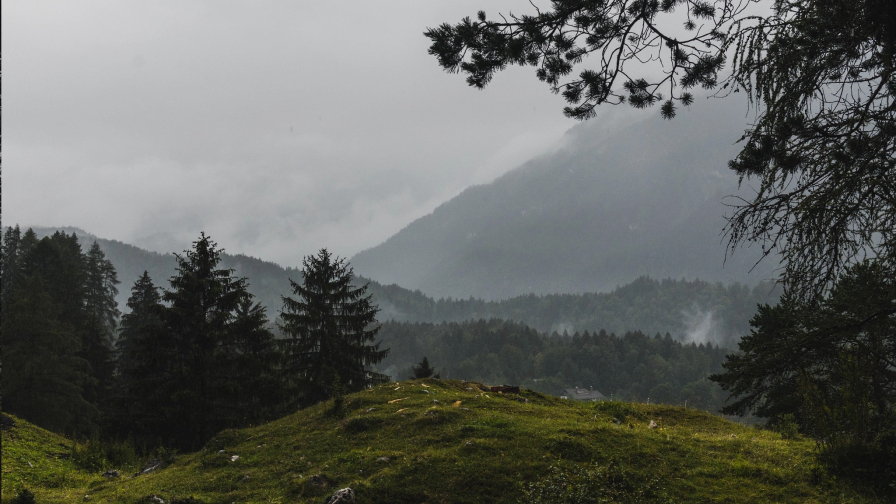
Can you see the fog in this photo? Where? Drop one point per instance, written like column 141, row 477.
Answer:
column 276, row 127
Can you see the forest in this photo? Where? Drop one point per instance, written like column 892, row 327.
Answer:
column 206, row 350
column 630, row 367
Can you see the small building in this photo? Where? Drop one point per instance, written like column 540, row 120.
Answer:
column 582, row 394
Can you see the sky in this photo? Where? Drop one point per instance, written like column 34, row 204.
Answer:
column 276, row 127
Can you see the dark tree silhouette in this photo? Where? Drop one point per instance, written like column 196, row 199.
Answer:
column 330, row 325
column 820, row 74
column 424, row 370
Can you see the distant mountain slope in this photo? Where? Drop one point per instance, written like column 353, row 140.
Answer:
column 607, row 208
column 692, row 310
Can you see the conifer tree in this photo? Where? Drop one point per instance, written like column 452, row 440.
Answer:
column 43, row 373
column 330, row 327
column 423, row 370
column 10, row 263
column 144, row 357
column 100, row 319
column 205, row 384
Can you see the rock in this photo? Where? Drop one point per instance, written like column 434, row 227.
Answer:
column 234, row 458
column 342, row 496
column 652, row 425
column 383, row 460
column 368, row 410
column 150, row 466
column 222, row 452
column 616, row 421
column 112, row 473
column 155, row 499
column 435, row 401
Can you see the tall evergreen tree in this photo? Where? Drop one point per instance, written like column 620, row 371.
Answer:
column 204, row 384
column 331, row 325
column 43, row 373
column 100, row 319
column 101, row 287
column 144, row 358
column 10, row 263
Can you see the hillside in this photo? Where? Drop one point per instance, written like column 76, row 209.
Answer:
column 608, row 207
column 691, row 310
column 450, row 442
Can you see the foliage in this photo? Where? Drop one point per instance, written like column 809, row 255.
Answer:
column 56, row 338
column 24, row 497
column 214, row 351
column 424, row 370
column 820, row 73
column 480, row 451
column 329, row 328
column 630, row 366
column 829, row 364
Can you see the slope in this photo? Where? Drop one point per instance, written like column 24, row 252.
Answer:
column 608, row 207
column 451, row 442
column 692, row 310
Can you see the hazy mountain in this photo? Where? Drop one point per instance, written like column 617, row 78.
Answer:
column 606, row 208
column 691, row 310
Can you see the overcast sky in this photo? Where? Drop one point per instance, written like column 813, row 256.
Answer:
column 276, row 127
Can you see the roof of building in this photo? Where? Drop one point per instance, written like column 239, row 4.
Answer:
column 582, row 394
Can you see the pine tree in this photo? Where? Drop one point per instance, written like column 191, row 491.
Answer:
column 43, row 374
column 331, row 325
column 10, row 263
column 254, row 360
column 423, row 370
column 210, row 371
column 100, row 319
column 144, row 358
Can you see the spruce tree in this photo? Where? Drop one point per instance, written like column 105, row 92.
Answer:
column 100, row 319
column 331, row 325
column 144, row 357
column 423, row 370
column 205, row 383
column 43, row 373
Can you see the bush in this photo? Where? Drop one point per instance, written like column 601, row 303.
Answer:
column 24, row 497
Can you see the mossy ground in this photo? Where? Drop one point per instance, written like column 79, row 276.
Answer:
column 448, row 441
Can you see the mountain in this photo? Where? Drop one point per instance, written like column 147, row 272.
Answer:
column 609, row 206
column 691, row 310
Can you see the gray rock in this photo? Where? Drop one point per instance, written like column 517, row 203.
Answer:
column 652, row 425
column 112, row 473
column 383, row 460
column 342, row 496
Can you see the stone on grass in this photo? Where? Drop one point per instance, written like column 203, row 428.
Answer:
column 652, row 425
column 112, row 473
column 342, row 496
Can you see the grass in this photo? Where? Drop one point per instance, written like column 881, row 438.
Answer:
column 448, row 441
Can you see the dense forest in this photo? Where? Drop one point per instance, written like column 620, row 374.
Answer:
column 631, row 367
column 203, row 349
column 186, row 361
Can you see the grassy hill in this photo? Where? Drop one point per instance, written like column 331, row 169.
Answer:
column 449, row 441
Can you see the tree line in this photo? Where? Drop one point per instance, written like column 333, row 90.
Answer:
column 629, row 367
column 187, row 360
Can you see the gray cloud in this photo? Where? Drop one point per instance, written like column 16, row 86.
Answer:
column 276, row 127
